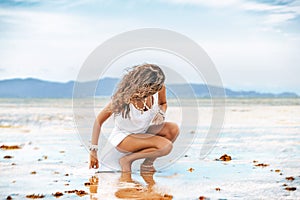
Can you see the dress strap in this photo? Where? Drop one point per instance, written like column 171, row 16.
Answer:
column 145, row 104
column 155, row 98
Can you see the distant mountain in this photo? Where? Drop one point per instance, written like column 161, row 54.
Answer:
column 35, row 88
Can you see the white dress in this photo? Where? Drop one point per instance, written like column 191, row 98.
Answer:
column 138, row 123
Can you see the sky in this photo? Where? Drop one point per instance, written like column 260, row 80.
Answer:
column 254, row 44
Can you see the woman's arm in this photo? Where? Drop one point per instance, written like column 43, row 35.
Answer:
column 162, row 103
column 101, row 118
column 162, row 99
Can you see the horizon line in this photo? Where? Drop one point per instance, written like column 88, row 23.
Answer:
column 229, row 88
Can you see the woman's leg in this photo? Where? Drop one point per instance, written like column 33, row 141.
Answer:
column 168, row 130
column 142, row 146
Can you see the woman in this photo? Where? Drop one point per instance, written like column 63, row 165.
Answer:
column 140, row 130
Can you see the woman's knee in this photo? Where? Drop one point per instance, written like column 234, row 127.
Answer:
column 173, row 131
column 168, row 148
column 165, row 146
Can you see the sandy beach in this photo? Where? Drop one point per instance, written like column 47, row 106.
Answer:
column 42, row 155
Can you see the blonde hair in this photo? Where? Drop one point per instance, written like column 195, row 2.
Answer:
column 140, row 82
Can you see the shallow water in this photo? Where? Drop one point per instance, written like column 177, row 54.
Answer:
column 265, row 130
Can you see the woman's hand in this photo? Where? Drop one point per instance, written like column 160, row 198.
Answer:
column 94, row 163
column 159, row 118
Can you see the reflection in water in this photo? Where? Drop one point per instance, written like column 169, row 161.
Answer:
column 131, row 189
column 128, row 188
column 94, row 180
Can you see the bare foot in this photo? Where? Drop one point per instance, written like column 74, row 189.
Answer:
column 125, row 164
column 126, row 177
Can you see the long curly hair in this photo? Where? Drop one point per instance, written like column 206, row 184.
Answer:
column 140, row 82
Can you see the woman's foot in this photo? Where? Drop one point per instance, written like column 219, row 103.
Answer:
column 126, row 177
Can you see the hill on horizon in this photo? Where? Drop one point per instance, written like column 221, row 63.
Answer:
column 36, row 88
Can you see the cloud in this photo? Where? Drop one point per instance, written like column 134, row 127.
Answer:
column 279, row 18
column 53, row 38
column 18, row 3
column 210, row 3
column 274, row 12
column 35, row 23
column 256, row 6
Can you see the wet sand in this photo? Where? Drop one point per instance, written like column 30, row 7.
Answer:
column 42, row 156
